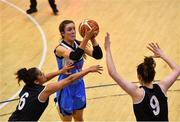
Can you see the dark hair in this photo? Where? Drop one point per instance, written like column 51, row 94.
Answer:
column 61, row 30
column 63, row 25
column 146, row 70
column 28, row 76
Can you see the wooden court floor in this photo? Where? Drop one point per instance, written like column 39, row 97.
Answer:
column 132, row 25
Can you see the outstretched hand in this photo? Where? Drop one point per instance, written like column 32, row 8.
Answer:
column 156, row 50
column 107, row 41
column 96, row 68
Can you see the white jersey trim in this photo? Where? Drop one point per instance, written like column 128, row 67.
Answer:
column 138, row 102
column 40, row 94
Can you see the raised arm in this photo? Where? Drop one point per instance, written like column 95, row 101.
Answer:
column 128, row 87
column 167, row 82
column 77, row 54
column 53, row 87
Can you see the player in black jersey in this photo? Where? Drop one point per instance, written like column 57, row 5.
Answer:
column 33, row 7
column 149, row 100
column 34, row 96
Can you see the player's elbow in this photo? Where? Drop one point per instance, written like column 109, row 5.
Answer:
column 75, row 57
column 99, row 56
column 77, row 54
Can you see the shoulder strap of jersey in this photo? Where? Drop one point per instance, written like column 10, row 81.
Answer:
column 145, row 89
column 158, row 88
column 64, row 44
column 77, row 42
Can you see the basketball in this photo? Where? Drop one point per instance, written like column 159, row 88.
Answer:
column 86, row 25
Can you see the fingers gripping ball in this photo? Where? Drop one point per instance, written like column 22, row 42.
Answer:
column 86, row 25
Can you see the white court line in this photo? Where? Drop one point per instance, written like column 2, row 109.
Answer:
column 44, row 41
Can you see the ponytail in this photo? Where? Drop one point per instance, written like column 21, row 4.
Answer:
column 28, row 76
column 147, row 69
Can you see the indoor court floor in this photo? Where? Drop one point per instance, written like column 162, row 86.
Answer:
column 29, row 40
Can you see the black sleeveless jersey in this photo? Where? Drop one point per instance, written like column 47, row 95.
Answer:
column 153, row 107
column 29, row 107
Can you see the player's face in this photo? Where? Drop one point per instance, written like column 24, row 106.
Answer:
column 41, row 77
column 69, row 32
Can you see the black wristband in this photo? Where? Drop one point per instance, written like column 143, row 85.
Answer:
column 77, row 54
column 97, row 52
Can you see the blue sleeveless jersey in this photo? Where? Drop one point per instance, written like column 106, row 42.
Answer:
column 72, row 97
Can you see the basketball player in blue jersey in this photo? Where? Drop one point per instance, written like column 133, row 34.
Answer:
column 149, row 100
column 71, row 100
column 34, row 96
